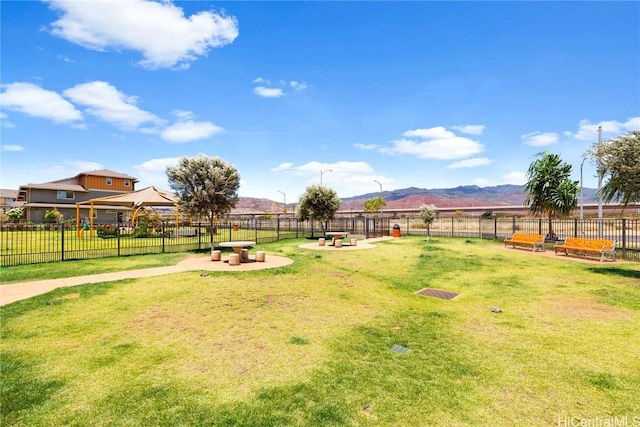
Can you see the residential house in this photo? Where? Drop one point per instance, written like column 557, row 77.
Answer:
column 8, row 199
column 63, row 194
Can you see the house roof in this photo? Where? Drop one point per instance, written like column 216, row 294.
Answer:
column 149, row 196
column 62, row 186
column 100, row 172
column 5, row 193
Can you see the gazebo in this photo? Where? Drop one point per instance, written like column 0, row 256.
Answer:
column 135, row 200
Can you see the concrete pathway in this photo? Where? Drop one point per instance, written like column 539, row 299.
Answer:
column 23, row 290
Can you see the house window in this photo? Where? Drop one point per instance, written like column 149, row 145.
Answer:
column 66, row 195
column 126, row 182
column 109, row 181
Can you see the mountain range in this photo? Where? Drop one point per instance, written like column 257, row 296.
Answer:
column 413, row 197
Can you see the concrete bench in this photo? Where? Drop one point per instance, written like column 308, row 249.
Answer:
column 184, row 232
column 602, row 248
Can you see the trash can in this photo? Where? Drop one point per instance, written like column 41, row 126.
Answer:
column 396, row 230
column 236, row 227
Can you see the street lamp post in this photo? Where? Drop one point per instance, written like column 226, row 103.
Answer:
column 321, row 172
column 581, row 190
column 284, row 199
column 375, row 180
column 599, row 187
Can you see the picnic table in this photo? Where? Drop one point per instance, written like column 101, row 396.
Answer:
column 336, row 235
column 237, row 247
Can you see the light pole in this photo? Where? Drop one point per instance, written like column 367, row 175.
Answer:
column 284, row 200
column 581, row 190
column 599, row 186
column 375, row 180
column 321, row 172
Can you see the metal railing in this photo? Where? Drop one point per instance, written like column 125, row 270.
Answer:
column 38, row 243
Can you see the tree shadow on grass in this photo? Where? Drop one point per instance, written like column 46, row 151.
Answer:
column 616, row 271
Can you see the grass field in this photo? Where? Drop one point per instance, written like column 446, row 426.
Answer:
column 310, row 344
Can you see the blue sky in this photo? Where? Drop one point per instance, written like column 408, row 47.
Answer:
column 424, row 94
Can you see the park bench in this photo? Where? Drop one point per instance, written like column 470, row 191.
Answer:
column 185, row 232
column 588, row 247
column 534, row 241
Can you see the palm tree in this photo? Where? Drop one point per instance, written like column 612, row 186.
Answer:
column 549, row 189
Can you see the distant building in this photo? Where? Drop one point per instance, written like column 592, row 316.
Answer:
column 63, row 194
column 8, row 198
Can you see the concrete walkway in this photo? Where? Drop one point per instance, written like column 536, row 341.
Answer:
column 23, row 290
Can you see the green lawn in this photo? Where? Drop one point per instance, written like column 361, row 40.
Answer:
column 310, row 344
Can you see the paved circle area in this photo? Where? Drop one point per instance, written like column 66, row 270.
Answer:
column 205, row 263
column 361, row 244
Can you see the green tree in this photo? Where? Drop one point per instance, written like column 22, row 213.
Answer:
column 549, row 189
column 53, row 215
column 374, row 205
column 15, row 214
column 428, row 215
column 320, row 203
column 207, row 187
column 619, row 160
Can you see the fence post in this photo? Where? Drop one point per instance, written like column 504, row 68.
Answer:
column 624, row 237
column 513, row 225
column 575, row 227
column 539, row 225
column 495, row 228
column 163, row 229
column 62, row 241
column 118, row 237
column 255, row 225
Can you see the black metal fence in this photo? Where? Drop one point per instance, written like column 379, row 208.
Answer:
column 38, row 243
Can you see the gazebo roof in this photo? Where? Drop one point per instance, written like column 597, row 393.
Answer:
column 149, row 196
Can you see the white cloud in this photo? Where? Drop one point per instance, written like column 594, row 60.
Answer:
column 65, row 59
column 366, row 146
column 11, row 147
column 298, row 85
column 470, row 129
column 539, row 139
column 515, row 178
column 188, row 131
column 268, row 92
column 160, row 31
column 439, row 149
column 342, row 168
column 437, row 132
column 471, row 163
column 482, row 182
column 34, row 101
column 437, row 143
column 282, row 167
column 276, row 89
column 588, row 131
column 154, row 172
column 109, row 104
column 5, row 122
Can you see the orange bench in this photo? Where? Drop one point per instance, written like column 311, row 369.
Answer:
column 598, row 247
column 534, row 241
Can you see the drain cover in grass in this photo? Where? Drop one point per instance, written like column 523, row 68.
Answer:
column 399, row 348
column 437, row 293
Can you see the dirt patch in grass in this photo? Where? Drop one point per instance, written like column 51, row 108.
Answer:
column 582, row 308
